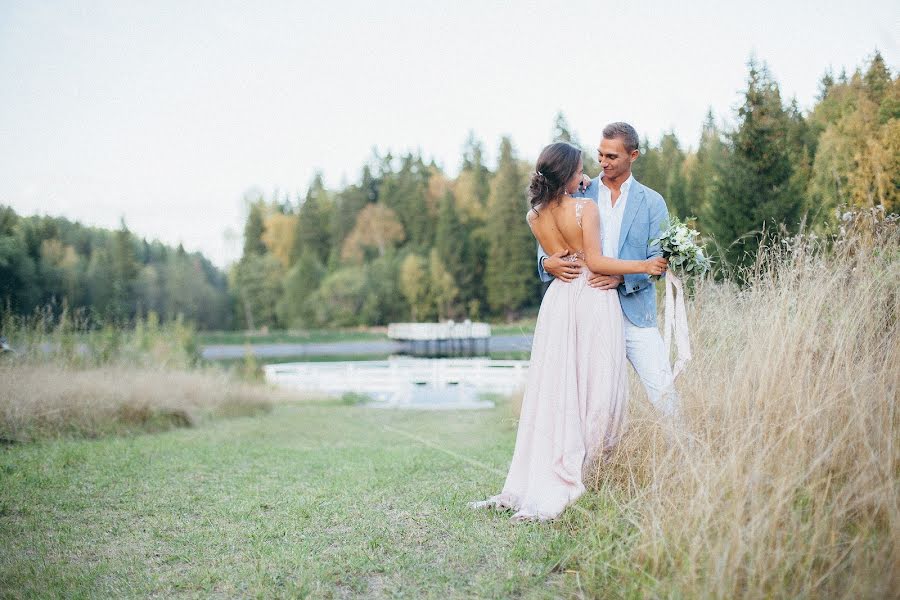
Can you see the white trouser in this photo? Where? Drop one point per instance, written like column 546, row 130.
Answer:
column 647, row 354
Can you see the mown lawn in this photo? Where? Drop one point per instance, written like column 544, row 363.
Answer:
column 318, row 499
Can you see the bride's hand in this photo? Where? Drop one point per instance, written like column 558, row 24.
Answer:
column 656, row 265
column 585, row 182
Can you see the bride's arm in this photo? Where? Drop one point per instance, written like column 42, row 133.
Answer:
column 598, row 263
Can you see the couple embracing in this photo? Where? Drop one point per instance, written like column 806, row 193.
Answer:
column 599, row 311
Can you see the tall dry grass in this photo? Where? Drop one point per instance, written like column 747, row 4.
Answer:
column 782, row 479
column 57, row 335
column 47, row 400
column 71, row 377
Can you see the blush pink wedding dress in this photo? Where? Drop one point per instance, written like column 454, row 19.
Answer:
column 575, row 399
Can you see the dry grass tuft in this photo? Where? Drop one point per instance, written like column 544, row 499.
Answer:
column 69, row 376
column 45, row 400
column 781, row 479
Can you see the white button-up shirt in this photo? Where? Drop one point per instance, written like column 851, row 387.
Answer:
column 611, row 216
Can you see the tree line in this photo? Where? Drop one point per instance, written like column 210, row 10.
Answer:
column 408, row 241
column 105, row 277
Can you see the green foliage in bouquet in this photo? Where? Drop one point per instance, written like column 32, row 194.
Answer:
column 679, row 246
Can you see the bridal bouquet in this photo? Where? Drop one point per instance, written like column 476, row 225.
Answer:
column 686, row 257
column 679, row 247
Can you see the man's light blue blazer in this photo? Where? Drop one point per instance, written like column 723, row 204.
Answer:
column 645, row 214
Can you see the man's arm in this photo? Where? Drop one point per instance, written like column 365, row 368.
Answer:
column 541, row 255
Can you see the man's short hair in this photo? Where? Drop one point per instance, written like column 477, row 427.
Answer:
column 624, row 131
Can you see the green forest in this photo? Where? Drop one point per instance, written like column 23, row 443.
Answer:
column 407, row 241
column 50, row 264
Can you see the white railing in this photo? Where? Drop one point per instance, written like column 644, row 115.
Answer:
column 449, row 330
column 390, row 376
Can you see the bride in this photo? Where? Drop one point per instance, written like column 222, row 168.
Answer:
column 576, row 393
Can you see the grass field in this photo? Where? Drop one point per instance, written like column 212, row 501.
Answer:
column 779, row 479
column 313, row 498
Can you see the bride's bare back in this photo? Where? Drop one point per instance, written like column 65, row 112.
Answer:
column 557, row 226
column 573, row 225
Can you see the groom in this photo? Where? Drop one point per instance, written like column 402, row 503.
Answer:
column 630, row 216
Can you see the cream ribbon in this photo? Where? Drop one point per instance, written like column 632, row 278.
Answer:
column 676, row 323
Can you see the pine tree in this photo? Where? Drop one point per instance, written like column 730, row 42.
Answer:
column 674, row 188
column 510, row 279
column 648, row 169
column 563, row 133
column 890, row 103
column 753, row 190
column 801, row 141
column 473, row 162
column 346, row 207
column 703, row 169
column 18, row 282
column 477, row 258
column 124, row 275
column 312, row 223
column 99, row 278
column 454, row 247
column 877, row 79
column 254, row 229
column 294, row 308
column 825, row 85
column 472, row 186
column 406, row 192
column 471, row 192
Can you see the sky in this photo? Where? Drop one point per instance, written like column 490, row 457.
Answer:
column 166, row 113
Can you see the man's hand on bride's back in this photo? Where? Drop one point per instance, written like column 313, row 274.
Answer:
column 561, row 269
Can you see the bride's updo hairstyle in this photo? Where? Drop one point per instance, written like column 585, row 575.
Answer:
column 554, row 169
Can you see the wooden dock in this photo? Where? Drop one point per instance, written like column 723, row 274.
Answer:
column 442, row 339
column 387, row 377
